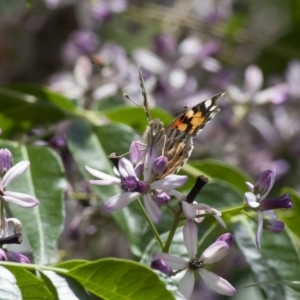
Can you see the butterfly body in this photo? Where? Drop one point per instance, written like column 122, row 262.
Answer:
column 175, row 142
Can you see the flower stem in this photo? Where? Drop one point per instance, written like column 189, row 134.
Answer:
column 172, row 231
column 234, row 210
column 156, row 234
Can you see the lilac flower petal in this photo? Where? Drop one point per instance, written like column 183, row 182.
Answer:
column 3, row 256
column 176, row 263
column 118, row 202
column 215, row 252
column 220, row 221
column 4, row 229
column 264, row 183
column 150, row 157
column 259, row 228
column 125, row 168
column 20, row 199
column 136, row 152
column 186, row 284
column 189, row 210
column 152, row 209
column 102, row 175
column 105, row 182
column 251, row 200
column 14, row 172
column 17, row 257
column 190, row 238
column 169, row 182
column 176, row 194
column 253, row 79
column 217, row 283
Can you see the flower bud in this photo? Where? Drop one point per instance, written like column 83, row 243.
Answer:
column 17, row 257
column 159, row 165
column 6, row 161
column 226, row 237
column 274, row 226
column 159, row 265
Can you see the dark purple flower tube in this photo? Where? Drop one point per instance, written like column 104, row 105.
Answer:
column 274, row 226
column 274, row 203
column 160, row 265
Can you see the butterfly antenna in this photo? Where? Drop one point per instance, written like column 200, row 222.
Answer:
column 145, row 100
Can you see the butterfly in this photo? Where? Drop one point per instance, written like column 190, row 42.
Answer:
column 175, row 142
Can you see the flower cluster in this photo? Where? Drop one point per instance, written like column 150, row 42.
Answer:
column 157, row 192
column 258, row 201
column 166, row 263
column 8, row 174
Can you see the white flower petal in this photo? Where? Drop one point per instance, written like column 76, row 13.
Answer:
column 118, row 202
column 189, row 210
column 251, row 200
column 105, row 182
column 190, row 238
column 186, row 284
column 101, row 175
column 152, row 209
column 250, row 186
column 215, row 252
column 20, row 199
column 175, row 263
column 259, row 228
column 169, row 182
column 14, row 172
column 220, row 221
column 217, row 283
column 253, row 79
column 125, row 168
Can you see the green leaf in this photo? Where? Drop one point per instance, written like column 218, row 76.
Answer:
column 71, row 264
column 276, row 262
column 66, row 287
column 26, row 106
column 31, row 287
column 120, row 279
column 87, row 148
column 135, row 116
column 45, row 181
column 218, row 170
column 9, row 289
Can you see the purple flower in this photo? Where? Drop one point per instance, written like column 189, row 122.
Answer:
column 134, row 188
column 256, row 199
column 19, row 199
column 251, row 90
column 213, row 253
